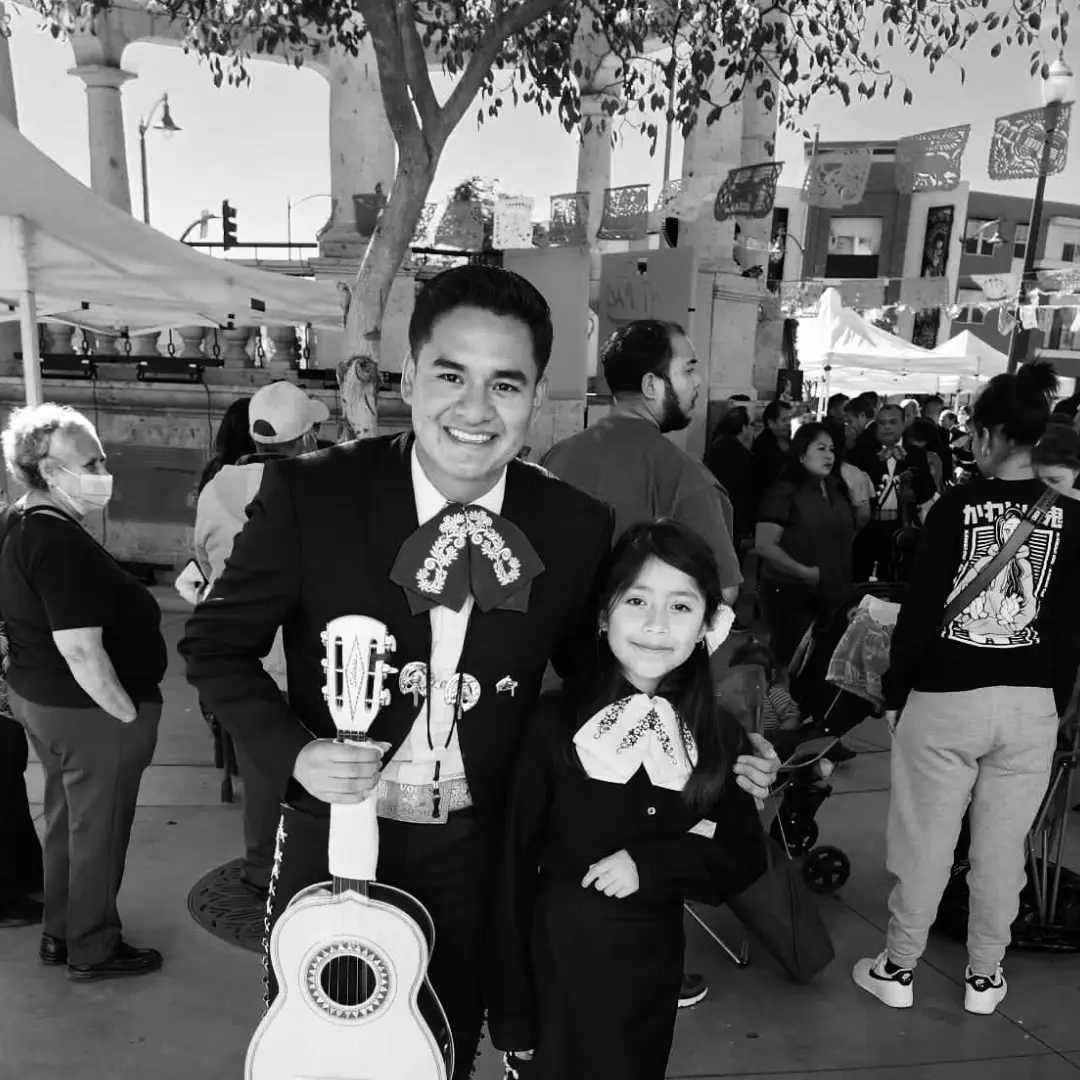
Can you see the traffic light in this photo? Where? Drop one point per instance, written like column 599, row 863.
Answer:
column 228, row 225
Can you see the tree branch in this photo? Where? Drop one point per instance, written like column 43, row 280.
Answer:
column 393, row 81
column 416, row 68
column 505, row 26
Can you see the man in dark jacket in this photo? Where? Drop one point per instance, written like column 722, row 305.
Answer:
column 771, row 446
column 732, row 463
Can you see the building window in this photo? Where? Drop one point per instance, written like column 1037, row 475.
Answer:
column 1069, row 252
column 977, row 236
column 970, row 313
column 1020, row 241
column 777, row 248
column 854, row 247
column 1062, row 336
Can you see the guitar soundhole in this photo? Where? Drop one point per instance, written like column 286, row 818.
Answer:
column 348, row 981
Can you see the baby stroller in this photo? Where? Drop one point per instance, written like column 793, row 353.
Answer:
column 835, row 680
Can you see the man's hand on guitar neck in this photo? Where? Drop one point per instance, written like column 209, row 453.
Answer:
column 338, row 772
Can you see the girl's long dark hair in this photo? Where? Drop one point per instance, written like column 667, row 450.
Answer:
column 717, row 736
column 233, row 441
column 1017, row 405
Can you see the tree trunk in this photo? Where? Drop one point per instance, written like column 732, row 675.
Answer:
column 358, row 375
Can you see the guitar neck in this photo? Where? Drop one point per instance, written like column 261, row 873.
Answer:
column 354, row 844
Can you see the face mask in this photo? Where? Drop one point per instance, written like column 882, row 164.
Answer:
column 93, row 490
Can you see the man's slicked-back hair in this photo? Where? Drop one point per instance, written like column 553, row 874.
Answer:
column 488, row 288
column 643, row 347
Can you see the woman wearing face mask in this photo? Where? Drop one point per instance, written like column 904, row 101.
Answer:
column 85, row 663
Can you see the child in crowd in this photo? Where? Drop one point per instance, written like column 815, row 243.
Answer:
column 780, row 712
column 624, row 805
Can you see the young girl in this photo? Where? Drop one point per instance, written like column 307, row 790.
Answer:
column 624, row 805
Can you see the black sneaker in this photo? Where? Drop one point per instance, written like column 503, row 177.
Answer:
column 23, row 911
column 693, row 989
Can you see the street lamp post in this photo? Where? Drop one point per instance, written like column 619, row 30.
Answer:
column 169, row 128
column 1057, row 87
column 290, row 206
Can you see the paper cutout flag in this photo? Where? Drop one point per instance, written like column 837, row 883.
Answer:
column 569, row 218
column 924, row 294
column 863, row 294
column 626, row 213
column 996, row 286
column 462, row 227
column 748, row 192
column 837, row 179
column 513, row 226
column 1066, row 281
column 1044, row 318
column 931, row 161
column 1016, row 149
column 670, row 202
column 1028, row 319
column 1006, row 321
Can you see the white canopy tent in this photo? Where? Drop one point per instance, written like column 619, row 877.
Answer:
column 68, row 256
column 848, row 353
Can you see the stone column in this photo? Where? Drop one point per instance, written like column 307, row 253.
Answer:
column 108, row 151
column 363, row 153
column 192, row 338
column 105, row 344
column 10, row 342
column 145, row 345
column 58, row 339
column 284, row 352
column 236, row 346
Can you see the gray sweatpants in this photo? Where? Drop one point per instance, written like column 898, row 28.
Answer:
column 992, row 748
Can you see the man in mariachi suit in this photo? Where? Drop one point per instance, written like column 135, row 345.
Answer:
column 347, row 531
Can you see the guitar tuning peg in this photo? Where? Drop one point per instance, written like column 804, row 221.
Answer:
column 325, row 663
column 324, row 637
column 384, row 698
column 325, row 693
column 388, row 670
column 391, row 643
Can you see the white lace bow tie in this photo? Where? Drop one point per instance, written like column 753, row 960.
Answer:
column 632, row 732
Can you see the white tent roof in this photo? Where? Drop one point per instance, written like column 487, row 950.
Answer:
column 90, row 264
column 973, row 355
column 841, row 338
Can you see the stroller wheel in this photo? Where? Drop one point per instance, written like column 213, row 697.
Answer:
column 826, row 869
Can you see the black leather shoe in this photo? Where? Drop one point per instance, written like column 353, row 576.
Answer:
column 124, row 963
column 53, row 950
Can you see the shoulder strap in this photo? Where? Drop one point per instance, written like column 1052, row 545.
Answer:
column 975, row 587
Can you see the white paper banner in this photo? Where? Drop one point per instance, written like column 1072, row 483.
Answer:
column 513, row 224
column 996, row 286
column 1028, row 318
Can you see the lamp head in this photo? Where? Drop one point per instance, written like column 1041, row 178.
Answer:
column 167, row 126
column 1058, row 83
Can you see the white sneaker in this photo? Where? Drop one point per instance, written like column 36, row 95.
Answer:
column 982, row 995
column 895, row 990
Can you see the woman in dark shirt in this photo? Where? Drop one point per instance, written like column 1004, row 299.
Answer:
column 805, row 531
column 85, row 663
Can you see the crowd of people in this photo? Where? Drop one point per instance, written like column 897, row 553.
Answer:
column 553, row 836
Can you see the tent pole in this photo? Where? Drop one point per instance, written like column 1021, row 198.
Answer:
column 31, row 360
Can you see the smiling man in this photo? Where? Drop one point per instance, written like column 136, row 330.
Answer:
column 357, row 529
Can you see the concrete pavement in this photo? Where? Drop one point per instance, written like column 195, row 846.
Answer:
column 192, row 1021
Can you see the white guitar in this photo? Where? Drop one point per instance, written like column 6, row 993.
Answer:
column 351, row 956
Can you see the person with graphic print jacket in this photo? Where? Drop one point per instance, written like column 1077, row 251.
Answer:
column 974, row 703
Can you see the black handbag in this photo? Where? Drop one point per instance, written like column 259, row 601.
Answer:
column 781, row 914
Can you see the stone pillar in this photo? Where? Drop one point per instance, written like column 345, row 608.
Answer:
column 10, row 342
column 192, row 338
column 284, row 350
column 108, row 151
column 58, row 339
column 236, row 346
column 598, row 85
column 145, row 345
column 105, row 344
column 363, row 153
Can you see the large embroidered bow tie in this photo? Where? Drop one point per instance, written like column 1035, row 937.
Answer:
column 463, row 550
column 896, row 452
column 633, row 732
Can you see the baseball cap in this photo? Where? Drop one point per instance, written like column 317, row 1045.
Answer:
column 281, row 412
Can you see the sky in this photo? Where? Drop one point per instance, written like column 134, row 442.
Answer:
column 264, row 143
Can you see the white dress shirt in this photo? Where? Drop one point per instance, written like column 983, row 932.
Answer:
column 415, row 760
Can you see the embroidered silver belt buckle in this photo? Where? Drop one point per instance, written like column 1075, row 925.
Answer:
column 416, row 804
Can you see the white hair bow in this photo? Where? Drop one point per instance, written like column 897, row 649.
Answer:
column 633, row 732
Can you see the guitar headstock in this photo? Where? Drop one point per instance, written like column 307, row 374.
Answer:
column 357, row 650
